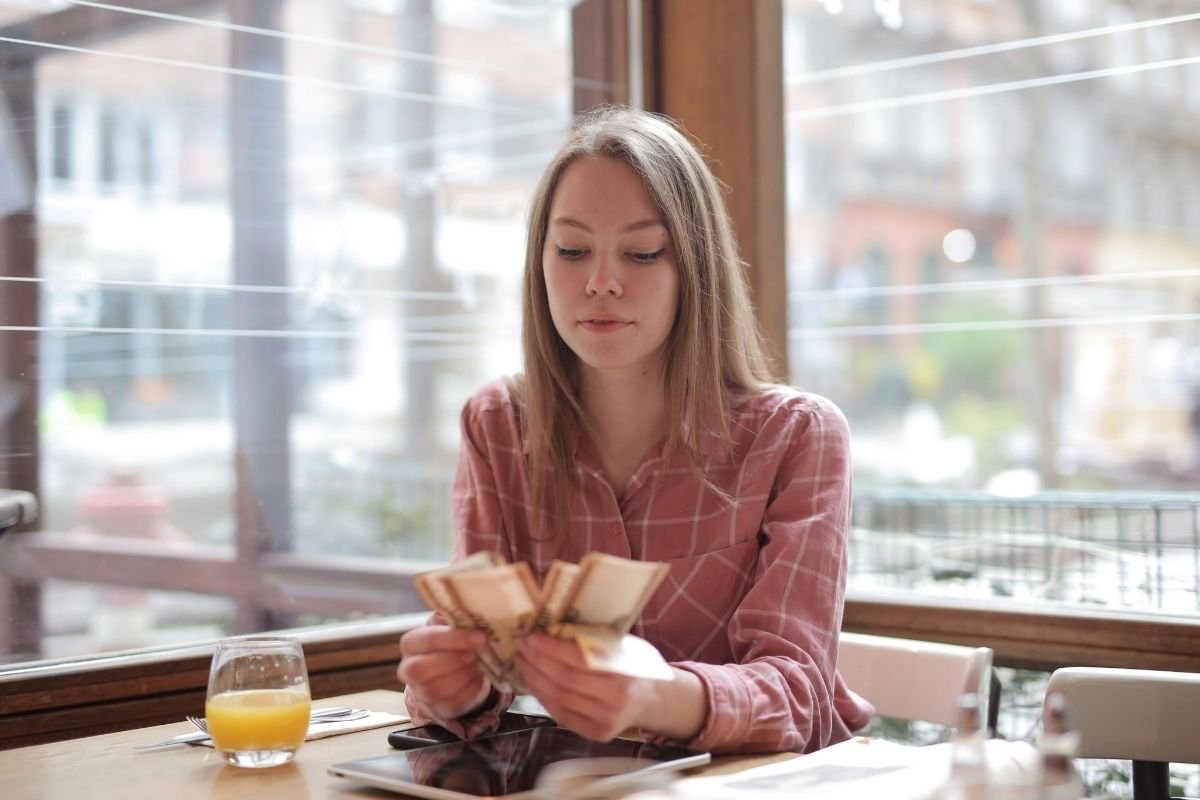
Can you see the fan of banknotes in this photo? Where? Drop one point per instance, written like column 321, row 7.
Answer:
column 594, row 602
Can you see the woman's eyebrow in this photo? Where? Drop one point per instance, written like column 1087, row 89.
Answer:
column 633, row 226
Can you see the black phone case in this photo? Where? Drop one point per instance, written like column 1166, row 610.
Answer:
column 429, row 735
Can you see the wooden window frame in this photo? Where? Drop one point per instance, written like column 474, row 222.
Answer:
column 50, row 701
column 717, row 67
column 1028, row 637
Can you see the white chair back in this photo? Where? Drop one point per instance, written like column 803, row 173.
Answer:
column 915, row 680
column 1135, row 714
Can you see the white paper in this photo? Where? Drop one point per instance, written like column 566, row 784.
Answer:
column 859, row 768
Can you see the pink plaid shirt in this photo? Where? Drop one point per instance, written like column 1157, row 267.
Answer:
column 753, row 601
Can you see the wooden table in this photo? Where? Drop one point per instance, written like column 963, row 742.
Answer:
column 103, row 767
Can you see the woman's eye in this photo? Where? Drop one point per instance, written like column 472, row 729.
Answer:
column 646, row 258
column 569, row 253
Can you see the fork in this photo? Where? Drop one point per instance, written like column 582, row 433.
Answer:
column 336, row 714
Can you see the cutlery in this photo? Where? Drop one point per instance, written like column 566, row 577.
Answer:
column 336, row 714
column 320, row 715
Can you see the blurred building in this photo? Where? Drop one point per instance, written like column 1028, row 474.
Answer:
column 413, row 133
column 1055, row 177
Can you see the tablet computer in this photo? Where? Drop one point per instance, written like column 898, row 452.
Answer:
column 504, row 765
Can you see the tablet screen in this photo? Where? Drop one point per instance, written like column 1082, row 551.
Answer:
column 507, row 763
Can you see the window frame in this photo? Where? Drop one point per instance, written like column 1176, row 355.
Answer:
column 50, row 701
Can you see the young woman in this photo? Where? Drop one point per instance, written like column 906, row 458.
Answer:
column 646, row 426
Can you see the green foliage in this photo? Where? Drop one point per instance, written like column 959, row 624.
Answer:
column 905, row 732
column 942, row 570
column 878, row 377
column 379, row 509
column 979, row 362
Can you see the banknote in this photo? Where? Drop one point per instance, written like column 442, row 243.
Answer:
column 556, row 591
column 435, row 591
column 501, row 601
column 609, row 592
column 594, row 602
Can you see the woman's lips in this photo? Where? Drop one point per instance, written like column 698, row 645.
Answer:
column 603, row 325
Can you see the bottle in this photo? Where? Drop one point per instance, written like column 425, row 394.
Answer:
column 1057, row 747
column 968, row 759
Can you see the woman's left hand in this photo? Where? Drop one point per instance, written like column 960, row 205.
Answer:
column 598, row 705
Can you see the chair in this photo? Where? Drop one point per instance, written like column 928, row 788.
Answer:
column 1147, row 716
column 16, row 508
column 912, row 679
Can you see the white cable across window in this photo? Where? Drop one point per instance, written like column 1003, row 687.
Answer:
column 324, row 41
column 317, row 83
column 846, row 109
column 233, row 287
column 851, row 331
column 218, row 363
column 987, row 286
column 835, row 73
column 443, row 142
column 245, row 333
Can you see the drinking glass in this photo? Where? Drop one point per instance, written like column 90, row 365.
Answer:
column 258, row 702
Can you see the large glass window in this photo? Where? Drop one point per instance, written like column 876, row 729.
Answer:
column 994, row 268
column 268, row 248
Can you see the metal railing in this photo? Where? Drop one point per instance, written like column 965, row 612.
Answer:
column 1119, row 550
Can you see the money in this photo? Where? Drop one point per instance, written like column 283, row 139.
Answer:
column 609, row 592
column 435, row 591
column 501, row 601
column 594, row 603
column 628, row 655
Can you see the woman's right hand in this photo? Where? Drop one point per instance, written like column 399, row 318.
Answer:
column 438, row 664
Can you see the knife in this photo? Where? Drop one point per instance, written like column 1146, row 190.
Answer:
column 183, row 738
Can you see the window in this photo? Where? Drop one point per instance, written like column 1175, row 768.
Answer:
column 160, row 316
column 1015, row 336
column 277, row 246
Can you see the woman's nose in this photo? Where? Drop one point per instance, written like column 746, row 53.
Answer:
column 603, row 281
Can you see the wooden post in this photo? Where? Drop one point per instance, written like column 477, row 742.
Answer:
column 20, row 601
column 716, row 66
column 600, row 53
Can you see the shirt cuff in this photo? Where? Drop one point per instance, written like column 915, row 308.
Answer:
column 728, row 699
column 483, row 718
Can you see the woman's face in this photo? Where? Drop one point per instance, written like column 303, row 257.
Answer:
column 610, row 269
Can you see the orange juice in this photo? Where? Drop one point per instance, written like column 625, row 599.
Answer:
column 258, row 719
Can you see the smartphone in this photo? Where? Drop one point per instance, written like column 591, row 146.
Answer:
column 427, row 735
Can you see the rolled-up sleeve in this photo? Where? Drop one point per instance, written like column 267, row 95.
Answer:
column 783, row 691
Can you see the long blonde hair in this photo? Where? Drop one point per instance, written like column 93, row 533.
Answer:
column 715, row 349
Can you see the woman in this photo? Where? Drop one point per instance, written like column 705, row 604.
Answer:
column 645, row 425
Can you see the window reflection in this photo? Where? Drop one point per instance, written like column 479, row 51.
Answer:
column 276, row 244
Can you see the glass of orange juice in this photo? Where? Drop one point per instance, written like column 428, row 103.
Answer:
column 258, row 700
